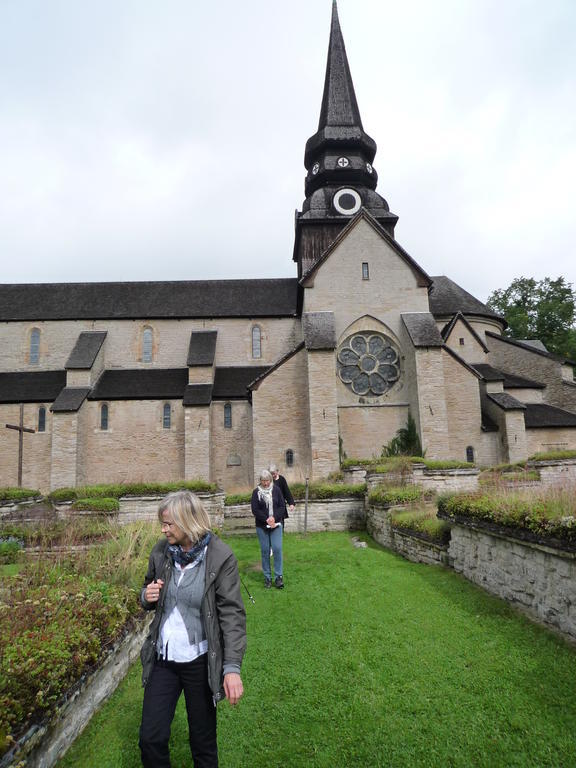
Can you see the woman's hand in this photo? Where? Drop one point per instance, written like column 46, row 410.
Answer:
column 233, row 687
column 271, row 522
column 152, row 591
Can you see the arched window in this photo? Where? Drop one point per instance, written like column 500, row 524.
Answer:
column 41, row 419
column 256, row 341
column 147, row 339
column 289, row 457
column 470, row 454
column 167, row 416
column 34, row 345
column 104, row 417
column 227, row 416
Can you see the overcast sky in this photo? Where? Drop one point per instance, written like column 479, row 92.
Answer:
column 164, row 139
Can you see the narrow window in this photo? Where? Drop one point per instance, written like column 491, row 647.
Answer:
column 227, row 416
column 470, row 454
column 365, row 271
column 104, row 417
column 41, row 419
column 147, row 345
column 461, row 340
column 256, row 342
column 34, row 345
column 167, row 416
column 289, row 457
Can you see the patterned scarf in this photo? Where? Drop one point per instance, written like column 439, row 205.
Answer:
column 265, row 495
column 189, row 556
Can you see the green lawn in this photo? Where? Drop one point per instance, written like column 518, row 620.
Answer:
column 368, row 660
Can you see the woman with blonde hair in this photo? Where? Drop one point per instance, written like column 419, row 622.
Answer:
column 269, row 510
column 197, row 638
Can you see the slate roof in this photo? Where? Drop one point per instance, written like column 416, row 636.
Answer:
column 540, row 415
column 197, row 394
column 31, row 386
column 70, row 399
column 422, row 329
column 202, row 348
column 232, row 383
column 319, row 329
column 487, row 372
column 86, row 350
column 149, row 300
column 446, row 298
column 141, row 384
column 506, row 401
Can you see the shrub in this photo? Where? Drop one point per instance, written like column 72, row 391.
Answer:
column 423, row 522
column 100, row 505
column 320, row 491
column 18, row 494
column 547, row 515
column 553, row 456
column 237, row 498
column 406, row 494
column 406, row 441
column 9, row 549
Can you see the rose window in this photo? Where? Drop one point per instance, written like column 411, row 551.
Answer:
column 368, row 364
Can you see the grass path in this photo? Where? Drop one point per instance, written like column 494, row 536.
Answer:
column 368, row 660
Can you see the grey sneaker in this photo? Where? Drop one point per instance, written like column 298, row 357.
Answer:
column 279, row 582
column 267, row 583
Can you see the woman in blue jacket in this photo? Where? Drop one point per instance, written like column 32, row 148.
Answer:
column 269, row 510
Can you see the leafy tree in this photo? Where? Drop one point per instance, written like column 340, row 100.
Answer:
column 539, row 309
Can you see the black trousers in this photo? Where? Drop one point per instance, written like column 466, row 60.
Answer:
column 167, row 681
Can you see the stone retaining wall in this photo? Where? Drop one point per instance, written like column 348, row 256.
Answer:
column 409, row 545
column 440, row 480
column 537, row 578
column 325, row 515
column 562, row 472
column 43, row 745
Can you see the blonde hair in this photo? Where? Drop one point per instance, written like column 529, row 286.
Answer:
column 188, row 512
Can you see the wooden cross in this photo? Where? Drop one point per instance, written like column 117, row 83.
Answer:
column 20, row 428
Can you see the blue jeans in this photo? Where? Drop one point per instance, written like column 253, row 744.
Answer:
column 271, row 538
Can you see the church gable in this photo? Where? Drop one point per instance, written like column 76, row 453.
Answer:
column 460, row 336
column 365, row 267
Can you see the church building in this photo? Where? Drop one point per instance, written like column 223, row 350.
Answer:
column 163, row 381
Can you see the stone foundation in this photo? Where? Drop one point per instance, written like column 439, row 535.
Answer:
column 326, row 515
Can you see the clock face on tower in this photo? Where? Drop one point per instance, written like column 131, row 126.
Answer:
column 347, row 201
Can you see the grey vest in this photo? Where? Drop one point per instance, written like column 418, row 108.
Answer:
column 187, row 597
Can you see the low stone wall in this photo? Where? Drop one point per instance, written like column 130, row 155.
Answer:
column 45, row 744
column 537, row 578
column 408, row 544
column 445, row 480
column 325, row 515
column 562, row 472
column 440, row 480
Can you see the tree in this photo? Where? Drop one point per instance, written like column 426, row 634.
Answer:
column 406, row 442
column 539, row 309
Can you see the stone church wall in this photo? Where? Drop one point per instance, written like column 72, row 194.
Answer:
column 283, row 391
column 463, row 410
column 551, row 439
column 123, row 345
column 544, row 370
column 136, row 447
column 364, row 430
column 36, row 448
column 390, row 290
column 231, row 449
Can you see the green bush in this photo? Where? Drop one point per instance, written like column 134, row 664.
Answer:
column 237, row 498
column 116, row 490
column 423, row 522
column 553, row 456
column 406, row 494
column 18, row 494
column 321, row 491
column 550, row 515
column 9, row 549
column 101, row 505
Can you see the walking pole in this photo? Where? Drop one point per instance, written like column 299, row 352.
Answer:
column 306, row 509
column 247, row 590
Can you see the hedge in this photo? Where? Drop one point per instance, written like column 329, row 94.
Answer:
column 117, row 490
column 423, row 522
column 18, row 494
column 102, row 505
column 406, row 494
